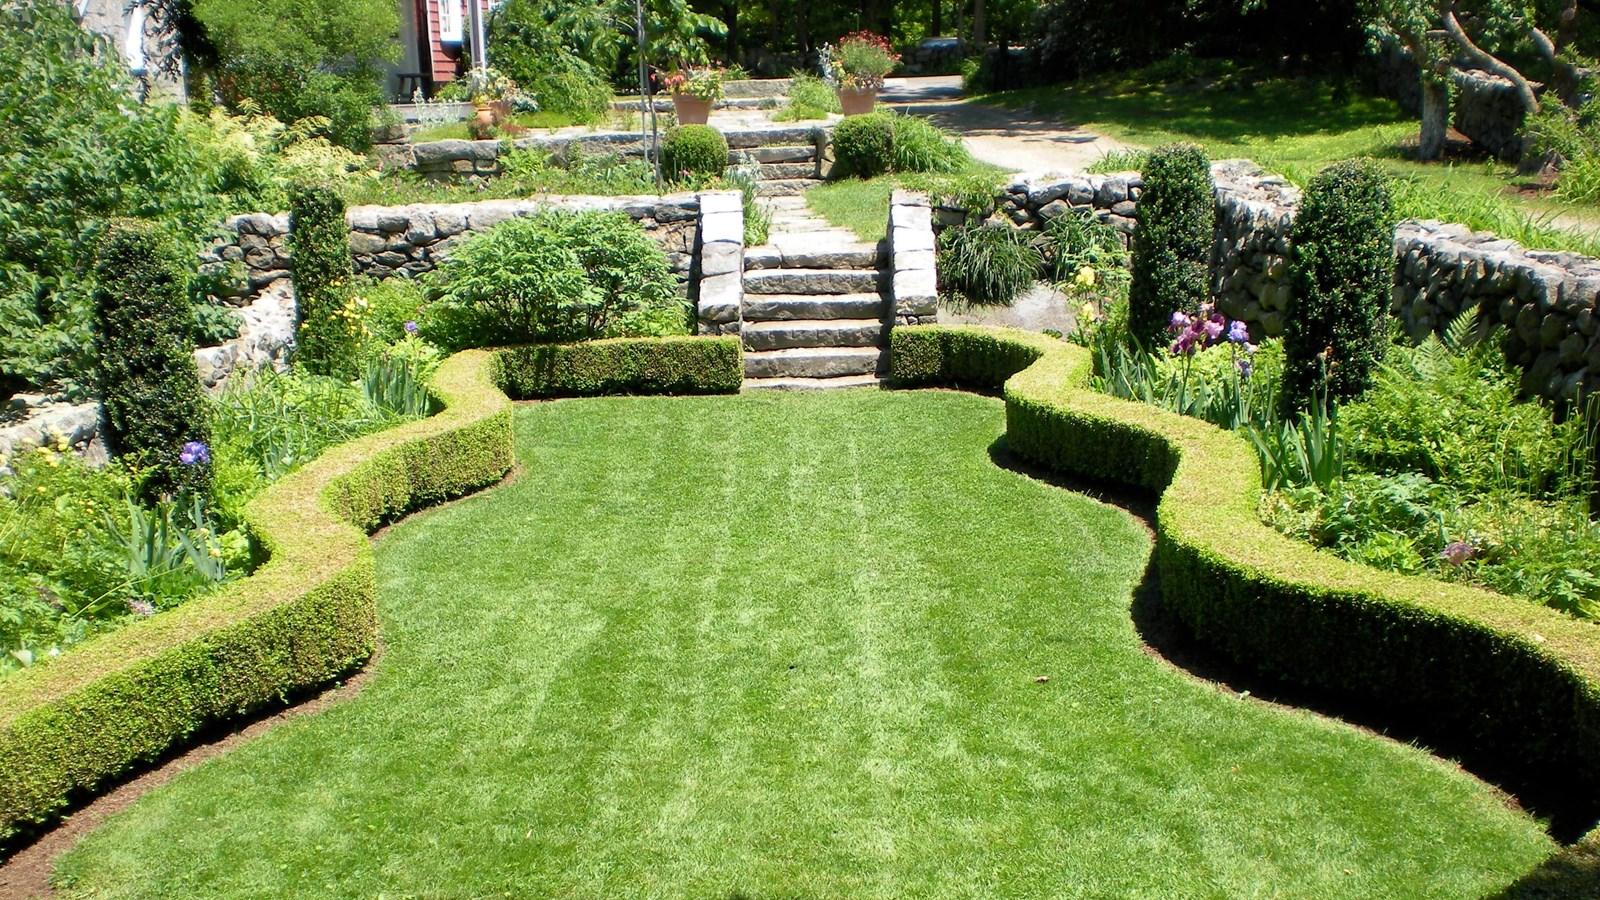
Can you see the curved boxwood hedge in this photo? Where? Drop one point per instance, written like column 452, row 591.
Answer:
column 1520, row 680
column 305, row 617
column 674, row 365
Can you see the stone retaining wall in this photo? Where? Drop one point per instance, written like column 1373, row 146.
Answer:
column 719, row 301
column 481, row 159
column 913, row 285
column 1546, row 300
column 1485, row 107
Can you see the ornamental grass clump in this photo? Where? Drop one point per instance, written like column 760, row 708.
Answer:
column 986, row 265
column 1341, row 270
column 328, row 341
column 1171, row 259
column 153, row 407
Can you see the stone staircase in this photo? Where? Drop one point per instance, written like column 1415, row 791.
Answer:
column 814, row 314
column 786, row 169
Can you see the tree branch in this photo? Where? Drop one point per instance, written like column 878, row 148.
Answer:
column 1458, row 35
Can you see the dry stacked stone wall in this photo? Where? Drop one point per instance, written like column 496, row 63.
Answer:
column 1545, row 300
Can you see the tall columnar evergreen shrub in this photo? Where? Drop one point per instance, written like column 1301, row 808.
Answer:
column 1171, row 256
column 1341, row 272
column 329, row 336
column 149, row 387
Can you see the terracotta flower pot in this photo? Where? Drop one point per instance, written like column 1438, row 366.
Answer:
column 857, row 102
column 691, row 110
column 482, row 125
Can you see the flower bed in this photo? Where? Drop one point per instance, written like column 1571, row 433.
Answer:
column 301, row 620
column 1504, row 675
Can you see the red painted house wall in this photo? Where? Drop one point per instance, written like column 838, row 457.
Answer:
column 442, row 62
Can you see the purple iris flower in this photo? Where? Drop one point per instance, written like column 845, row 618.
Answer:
column 1238, row 332
column 194, row 453
column 411, row 327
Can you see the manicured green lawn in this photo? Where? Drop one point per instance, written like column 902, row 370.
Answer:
column 1297, row 127
column 791, row 646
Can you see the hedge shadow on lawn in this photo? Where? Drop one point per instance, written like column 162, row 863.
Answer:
column 1170, row 637
column 1485, row 675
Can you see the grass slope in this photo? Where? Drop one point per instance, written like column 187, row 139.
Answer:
column 787, row 646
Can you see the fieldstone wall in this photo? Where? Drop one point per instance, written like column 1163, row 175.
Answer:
column 914, row 288
column 934, row 56
column 249, row 253
column 467, row 159
column 1546, row 300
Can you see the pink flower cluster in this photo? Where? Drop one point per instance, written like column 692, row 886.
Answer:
column 1207, row 329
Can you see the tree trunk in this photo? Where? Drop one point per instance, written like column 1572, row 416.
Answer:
column 730, row 15
column 938, row 26
column 1435, row 118
column 979, row 23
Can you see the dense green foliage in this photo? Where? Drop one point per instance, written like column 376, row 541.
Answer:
column 555, row 277
column 304, row 59
column 529, row 44
column 987, row 265
column 810, row 97
column 144, row 345
column 679, row 365
column 863, row 146
column 921, row 146
column 711, row 606
column 1341, row 270
column 1177, row 217
column 76, row 150
column 303, row 619
column 693, row 153
column 329, row 335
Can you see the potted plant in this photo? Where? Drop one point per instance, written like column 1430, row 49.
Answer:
column 857, row 66
column 694, row 90
column 492, row 93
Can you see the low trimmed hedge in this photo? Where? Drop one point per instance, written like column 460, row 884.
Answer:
column 675, row 365
column 1508, row 676
column 304, row 618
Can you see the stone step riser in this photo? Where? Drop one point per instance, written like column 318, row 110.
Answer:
column 759, row 258
column 784, row 308
column 771, row 155
column 811, row 281
column 785, row 188
column 789, row 335
column 815, row 363
column 812, row 384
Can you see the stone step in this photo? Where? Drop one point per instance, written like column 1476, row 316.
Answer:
column 784, row 334
column 826, row 255
column 811, row 307
column 815, row 362
column 785, row 187
column 812, row 384
column 811, row 281
column 805, row 153
column 787, row 171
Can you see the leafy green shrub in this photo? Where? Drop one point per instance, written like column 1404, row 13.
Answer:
column 555, row 277
column 678, row 365
column 863, row 146
column 1075, row 242
column 921, row 146
column 1342, row 266
column 304, row 60
column 329, row 337
column 89, row 153
column 693, row 152
column 391, row 307
column 536, row 52
column 1171, row 258
column 154, row 411
column 988, row 265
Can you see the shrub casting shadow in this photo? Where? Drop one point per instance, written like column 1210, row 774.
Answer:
column 1569, row 814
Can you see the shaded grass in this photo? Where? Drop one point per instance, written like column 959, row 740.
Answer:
column 793, row 650
column 1297, row 127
